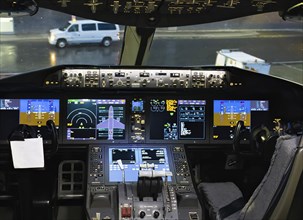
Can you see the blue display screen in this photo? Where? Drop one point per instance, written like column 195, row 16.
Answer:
column 228, row 112
column 132, row 158
column 32, row 112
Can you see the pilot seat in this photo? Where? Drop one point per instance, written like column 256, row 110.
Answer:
column 274, row 195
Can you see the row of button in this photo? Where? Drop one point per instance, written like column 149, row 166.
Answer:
column 133, row 78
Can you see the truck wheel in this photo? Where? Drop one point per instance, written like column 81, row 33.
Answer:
column 61, row 43
column 106, row 42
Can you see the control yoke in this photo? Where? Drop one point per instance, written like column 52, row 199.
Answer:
column 54, row 146
column 239, row 130
column 26, row 131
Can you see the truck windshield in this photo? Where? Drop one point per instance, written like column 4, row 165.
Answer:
column 64, row 27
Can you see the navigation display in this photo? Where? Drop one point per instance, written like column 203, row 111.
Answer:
column 156, row 156
column 95, row 119
column 32, row 112
column 228, row 112
column 132, row 158
column 126, row 155
column 172, row 119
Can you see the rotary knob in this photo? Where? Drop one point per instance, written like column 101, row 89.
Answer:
column 156, row 214
column 142, row 214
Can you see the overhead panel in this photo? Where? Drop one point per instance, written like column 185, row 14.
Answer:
column 163, row 13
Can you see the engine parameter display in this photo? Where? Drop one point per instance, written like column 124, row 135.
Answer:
column 172, row 119
column 92, row 119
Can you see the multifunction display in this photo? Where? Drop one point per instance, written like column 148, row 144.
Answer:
column 32, row 112
column 132, row 158
column 228, row 112
column 172, row 119
column 126, row 155
column 95, row 119
column 156, row 156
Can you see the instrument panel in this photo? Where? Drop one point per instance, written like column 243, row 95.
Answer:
column 125, row 119
column 95, row 105
column 135, row 125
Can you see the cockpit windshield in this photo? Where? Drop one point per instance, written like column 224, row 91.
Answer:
column 53, row 38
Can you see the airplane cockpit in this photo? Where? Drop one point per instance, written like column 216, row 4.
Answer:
column 133, row 141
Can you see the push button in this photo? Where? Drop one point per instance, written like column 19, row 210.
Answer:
column 126, row 212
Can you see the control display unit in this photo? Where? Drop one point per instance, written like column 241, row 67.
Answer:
column 228, row 112
column 32, row 112
column 95, row 119
column 132, row 158
column 172, row 119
